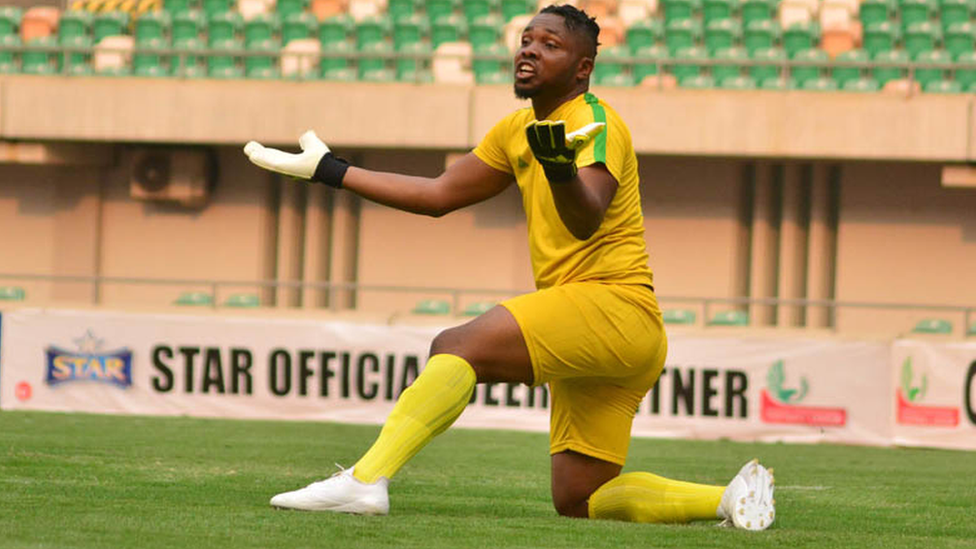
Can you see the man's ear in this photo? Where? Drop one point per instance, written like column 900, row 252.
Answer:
column 584, row 69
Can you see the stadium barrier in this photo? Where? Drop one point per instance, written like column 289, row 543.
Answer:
column 720, row 383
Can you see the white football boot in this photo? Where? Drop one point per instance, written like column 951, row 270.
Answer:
column 748, row 500
column 340, row 493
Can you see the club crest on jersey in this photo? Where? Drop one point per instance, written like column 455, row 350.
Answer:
column 88, row 363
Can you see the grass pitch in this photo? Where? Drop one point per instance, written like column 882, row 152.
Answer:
column 88, row 481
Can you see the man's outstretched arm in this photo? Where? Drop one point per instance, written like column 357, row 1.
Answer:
column 466, row 182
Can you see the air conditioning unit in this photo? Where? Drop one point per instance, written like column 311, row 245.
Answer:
column 180, row 176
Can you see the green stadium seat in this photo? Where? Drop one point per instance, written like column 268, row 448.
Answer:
column 780, row 83
column 679, row 316
column 690, row 66
column 658, row 54
column 408, row 69
column 499, row 62
column 72, row 23
column 286, row 8
column 716, row 10
column 513, row 8
column 773, row 60
column 39, row 62
column 8, row 62
column 917, row 11
column 402, row 9
column 889, row 65
column 485, row 31
column 437, row 9
column 243, row 301
column 729, row 64
column 956, row 11
column 861, row 84
column 960, row 38
column 476, row 9
column 722, row 34
column 965, row 74
column 175, row 7
column 478, row 308
column 12, row 293
column 148, row 59
column 613, row 61
column 152, row 25
column 10, row 18
column 876, row 11
column 645, row 33
column 260, row 28
column 188, row 25
column 622, row 80
column 932, row 326
column 336, row 29
column 757, row 10
column 679, row 10
column 262, row 66
column 942, row 86
column 419, row 77
column 729, row 318
column 111, row 23
column 298, row 26
column 224, row 63
column 922, row 37
column 376, row 56
column 409, row 30
column 224, row 26
column 372, row 30
column 194, row 299
column 432, row 307
column 450, row 28
column 930, row 67
column 741, row 82
column 843, row 75
column 820, row 83
column 815, row 66
column 800, row 37
column 880, row 37
column 213, row 7
column 761, row 34
column 697, row 82
column 188, row 62
column 682, row 34
column 972, row 330
column 347, row 74
column 336, row 57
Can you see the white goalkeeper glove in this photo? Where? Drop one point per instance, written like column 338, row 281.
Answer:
column 315, row 163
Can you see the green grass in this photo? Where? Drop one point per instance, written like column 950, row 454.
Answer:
column 75, row 480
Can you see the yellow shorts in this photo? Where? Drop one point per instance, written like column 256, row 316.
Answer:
column 600, row 347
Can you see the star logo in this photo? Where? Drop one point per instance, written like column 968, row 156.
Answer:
column 89, row 344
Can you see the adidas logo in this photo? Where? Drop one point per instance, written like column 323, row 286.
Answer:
column 522, row 163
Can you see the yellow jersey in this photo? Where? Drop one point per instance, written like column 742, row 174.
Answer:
column 616, row 253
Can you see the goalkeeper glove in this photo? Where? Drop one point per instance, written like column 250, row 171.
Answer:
column 556, row 150
column 315, row 163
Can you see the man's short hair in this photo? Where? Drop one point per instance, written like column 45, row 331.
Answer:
column 577, row 21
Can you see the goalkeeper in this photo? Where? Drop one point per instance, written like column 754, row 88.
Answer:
column 592, row 331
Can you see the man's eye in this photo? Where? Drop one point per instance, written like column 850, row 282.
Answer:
column 551, row 45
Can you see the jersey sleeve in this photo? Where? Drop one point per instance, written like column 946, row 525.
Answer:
column 491, row 150
column 608, row 147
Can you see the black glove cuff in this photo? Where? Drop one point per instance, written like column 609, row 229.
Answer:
column 559, row 173
column 330, row 171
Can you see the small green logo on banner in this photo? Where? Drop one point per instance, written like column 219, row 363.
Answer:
column 775, row 380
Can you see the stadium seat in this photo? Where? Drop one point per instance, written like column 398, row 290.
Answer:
column 682, row 34
column 336, row 57
column 224, row 26
column 922, row 37
column 972, row 330
column 917, row 11
column 174, row 7
column 436, row 9
column 932, row 326
column 213, row 7
column 188, row 25
column 373, row 30
column 956, row 11
column 147, row 59
column 657, row 54
column 613, row 61
column 485, row 31
column 697, row 82
column 263, row 66
column 415, row 63
column 861, row 84
column 820, row 83
column 513, row 8
column 375, row 56
column 261, row 28
column 880, row 37
column 622, row 80
column 690, row 66
column 729, row 63
column 451, row 28
column 476, row 9
column 757, row 10
column 12, row 293
column 432, row 307
column 679, row 316
column 341, row 75
column 72, row 23
column 286, row 8
column 336, row 29
column 780, row 83
column 965, row 74
column 153, row 25
column 741, row 82
column 932, row 67
column 729, row 318
column 194, row 299
column 716, row 10
column 843, row 75
column 243, row 301
column 876, row 11
column 644, row 33
column 960, row 38
column 409, row 30
column 8, row 63
column 39, row 61
column 487, row 69
column 761, row 34
column 10, row 17
column 223, row 63
column 889, row 65
column 767, row 64
column 942, row 86
column 815, row 66
column 112, row 23
column 722, row 34
column 800, row 37
column 298, row 26
column 679, row 10
column 188, row 62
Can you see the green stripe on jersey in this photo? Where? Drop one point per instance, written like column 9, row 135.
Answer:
column 599, row 115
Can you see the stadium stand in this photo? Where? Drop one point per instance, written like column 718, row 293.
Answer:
column 679, row 316
column 932, row 326
column 243, row 301
column 194, row 299
column 729, row 318
column 432, row 307
column 478, row 308
column 12, row 293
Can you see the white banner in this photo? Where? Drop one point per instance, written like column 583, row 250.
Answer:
column 745, row 387
column 934, row 396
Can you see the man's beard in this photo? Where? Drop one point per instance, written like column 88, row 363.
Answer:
column 525, row 93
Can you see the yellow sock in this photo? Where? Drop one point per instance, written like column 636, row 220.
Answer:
column 428, row 407
column 643, row 497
